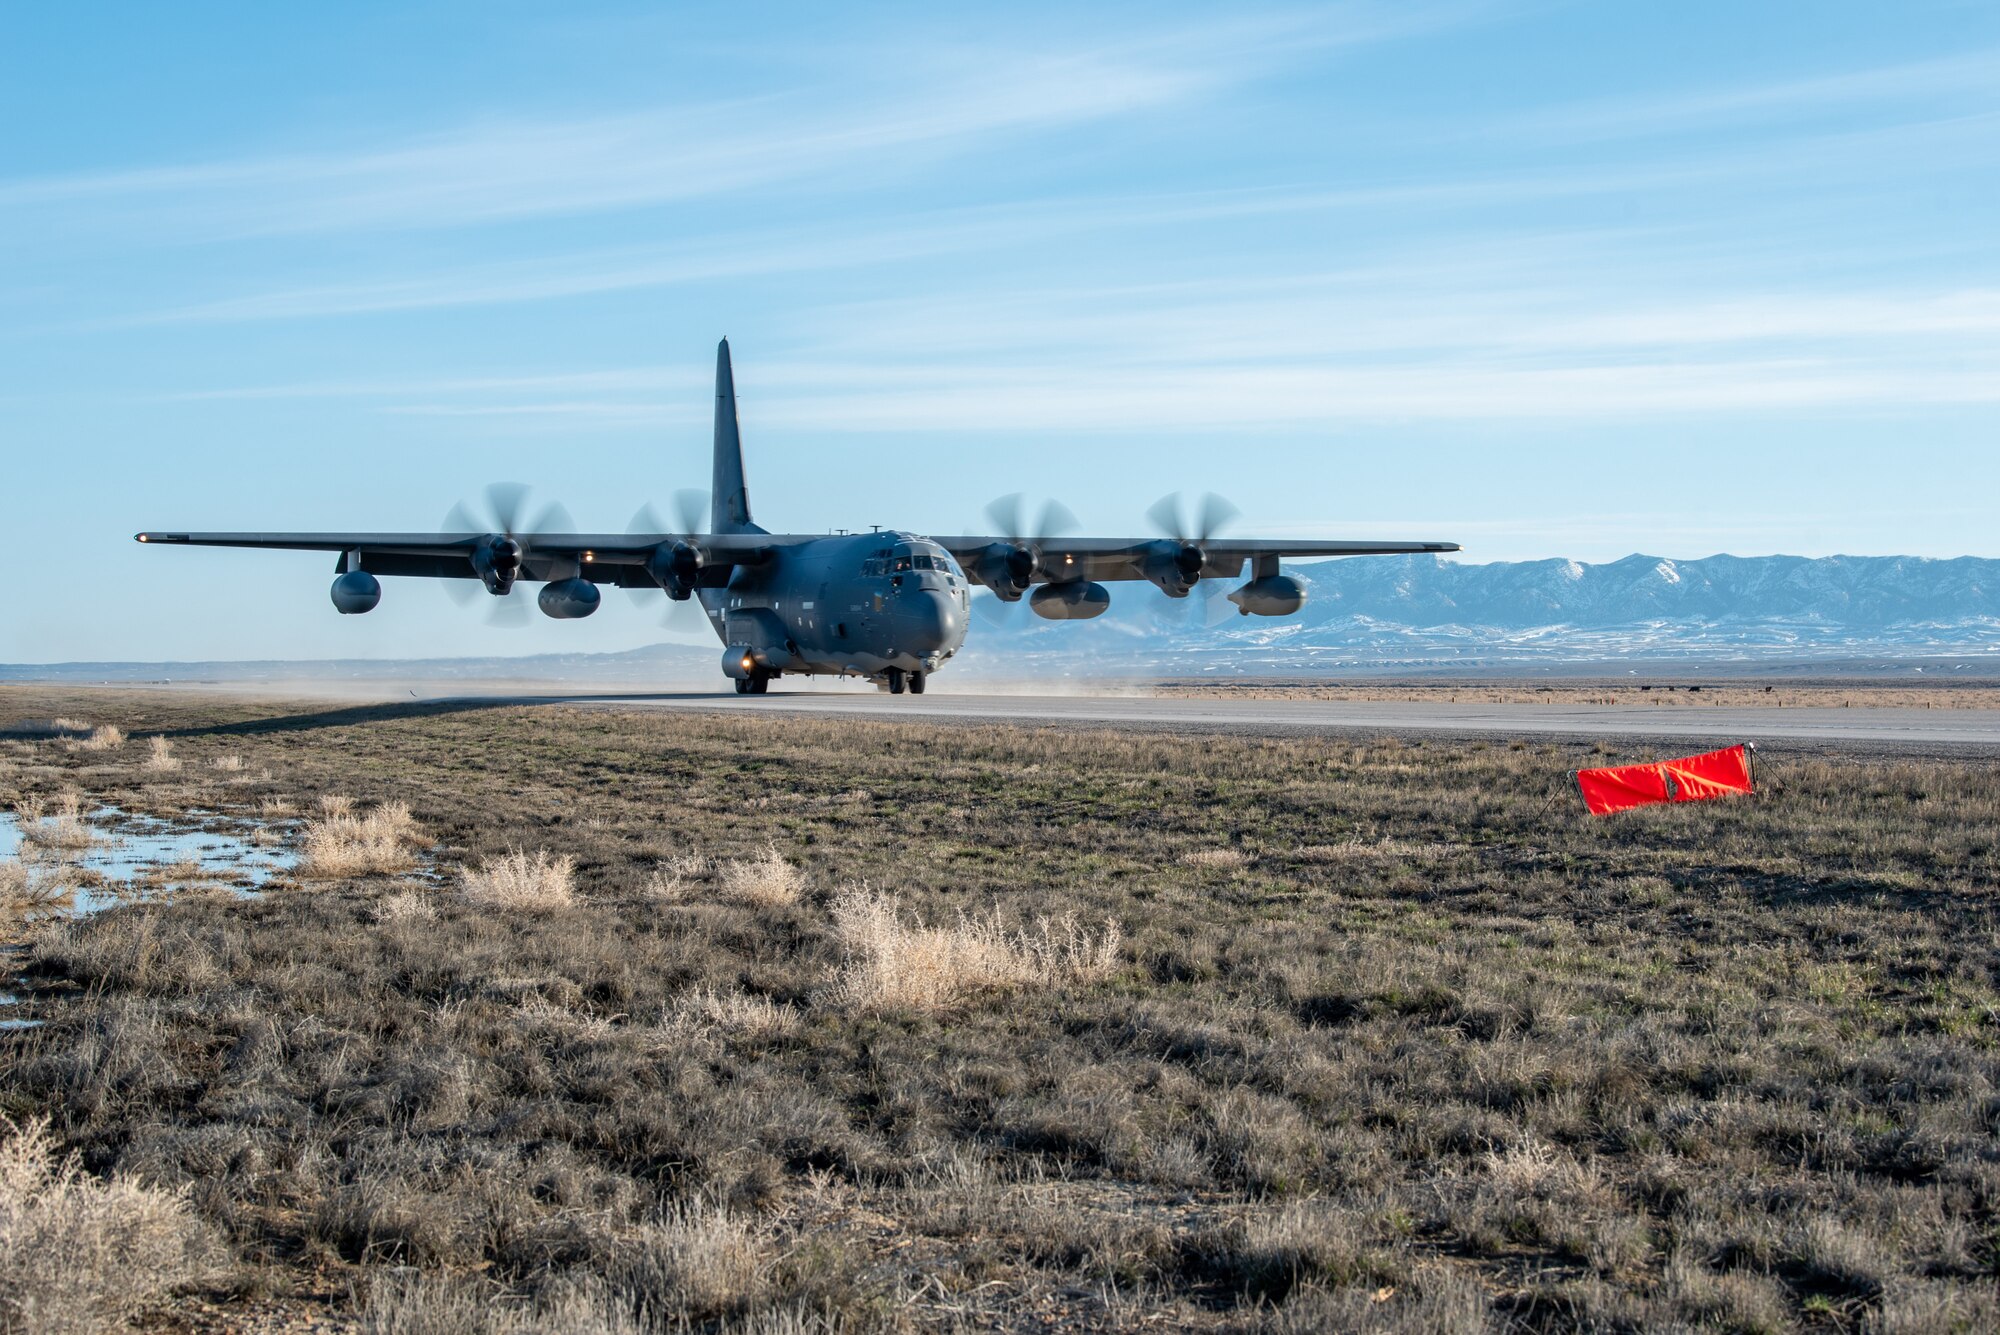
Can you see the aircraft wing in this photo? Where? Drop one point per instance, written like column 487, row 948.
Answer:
column 602, row 558
column 1128, row 558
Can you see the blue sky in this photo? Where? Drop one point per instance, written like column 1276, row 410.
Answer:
column 1545, row 279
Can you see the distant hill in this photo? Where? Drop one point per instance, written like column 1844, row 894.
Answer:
column 1857, row 593
column 651, row 664
column 1379, row 614
column 1428, row 611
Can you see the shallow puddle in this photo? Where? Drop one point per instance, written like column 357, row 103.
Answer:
column 8, row 1020
column 136, row 856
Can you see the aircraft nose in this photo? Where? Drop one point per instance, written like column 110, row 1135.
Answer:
column 932, row 620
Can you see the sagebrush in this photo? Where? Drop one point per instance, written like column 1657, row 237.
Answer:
column 78, row 1253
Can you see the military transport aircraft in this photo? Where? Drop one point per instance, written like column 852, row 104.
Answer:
column 888, row 606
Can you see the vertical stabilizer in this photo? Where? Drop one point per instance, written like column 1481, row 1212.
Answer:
column 731, row 499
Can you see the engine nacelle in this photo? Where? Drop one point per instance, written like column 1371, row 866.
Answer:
column 740, row 661
column 1174, row 566
column 1008, row 570
column 497, row 561
column 1270, row 596
column 356, row 592
column 1072, row 600
column 568, row 599
column 676, row 567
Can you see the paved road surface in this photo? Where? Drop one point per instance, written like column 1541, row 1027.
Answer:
column 1929, row 731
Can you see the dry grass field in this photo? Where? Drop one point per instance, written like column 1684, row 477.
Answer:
column 578, row 1020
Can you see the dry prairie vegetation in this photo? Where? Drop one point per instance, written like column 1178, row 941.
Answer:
column 1430, row 1052
column 57, row 828
column 80, row 1254
column 160, row 758
column 705, row 1010
column 528, row 882
column 767, row 881
column 344, row 842
column 1216, row 859
column 105, row 738
column 890, row 964
column 32, row 886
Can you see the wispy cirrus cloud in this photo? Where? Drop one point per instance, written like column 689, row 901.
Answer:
column 1181, row 397
column 516, row 169
column 628, row 380
column 922, row 102
column 1554, row 322
column 1855, row 159
column 587, row 273
column 1487, row 303
column 1422, row 340
column 1965, row 81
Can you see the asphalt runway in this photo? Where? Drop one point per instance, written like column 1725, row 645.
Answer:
column 1937, row 732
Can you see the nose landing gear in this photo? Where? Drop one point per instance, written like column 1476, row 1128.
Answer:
column 757, row 683
column 895, row 681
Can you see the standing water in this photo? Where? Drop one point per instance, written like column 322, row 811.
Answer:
column 133, row 856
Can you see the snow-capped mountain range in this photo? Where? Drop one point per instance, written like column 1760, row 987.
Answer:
column 1425, row 610
column 1867, row 614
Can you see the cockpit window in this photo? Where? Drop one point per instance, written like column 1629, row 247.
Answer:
column 914, row 556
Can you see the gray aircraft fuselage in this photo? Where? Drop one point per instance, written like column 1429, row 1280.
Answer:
column 858, row 604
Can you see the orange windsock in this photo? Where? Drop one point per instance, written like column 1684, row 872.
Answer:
column 1721, row 773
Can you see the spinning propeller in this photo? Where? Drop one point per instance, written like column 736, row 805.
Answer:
column 1021, row 555
column 1173, row 518
column 691, row 516
column 512, row 549
column 1191, row 522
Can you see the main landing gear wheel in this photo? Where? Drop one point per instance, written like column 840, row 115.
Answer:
column 916, row 683
column 896, row 681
